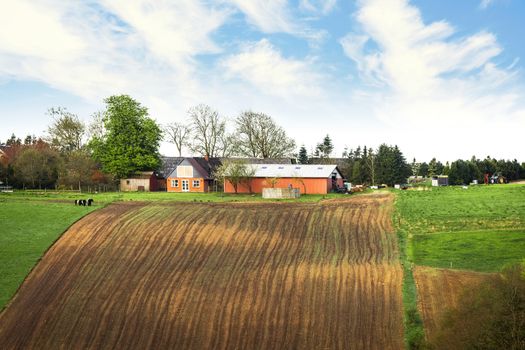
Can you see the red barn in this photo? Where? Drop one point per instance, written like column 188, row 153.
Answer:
column 308, row 178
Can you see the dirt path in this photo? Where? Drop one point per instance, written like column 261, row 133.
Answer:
column 216, row 276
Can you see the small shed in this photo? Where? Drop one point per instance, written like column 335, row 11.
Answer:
column 439, row 180
column 143, row 181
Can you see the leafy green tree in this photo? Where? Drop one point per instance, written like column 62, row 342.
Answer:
column 131, row 139
column 37, row 166
column 463, row 172
column 303, row 155
column 391, row 165
column 423, row 169
column 77, row 170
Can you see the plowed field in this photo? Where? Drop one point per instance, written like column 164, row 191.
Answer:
column 440, row 289
column 216, row 276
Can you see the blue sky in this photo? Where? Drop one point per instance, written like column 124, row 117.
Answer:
column 440, row 78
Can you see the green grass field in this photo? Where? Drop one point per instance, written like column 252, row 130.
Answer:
column 481, row 228
column 108, row 197
column 27, row 229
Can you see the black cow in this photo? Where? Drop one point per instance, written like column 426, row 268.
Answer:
column 90, row 201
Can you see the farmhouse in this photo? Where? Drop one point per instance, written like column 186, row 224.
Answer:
column 196, row 174
column 308, row 178
column 141, row 181
column 167, row 165
column 193, row 175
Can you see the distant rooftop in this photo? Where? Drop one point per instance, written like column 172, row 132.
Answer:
column 294, row 170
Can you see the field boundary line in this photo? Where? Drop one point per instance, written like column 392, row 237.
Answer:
column 6, row 305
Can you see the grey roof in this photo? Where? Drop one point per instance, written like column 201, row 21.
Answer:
column 259, row 160
column 294, row 170
column 168, row 164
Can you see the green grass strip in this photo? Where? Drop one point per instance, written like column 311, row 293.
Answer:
column 413, row 323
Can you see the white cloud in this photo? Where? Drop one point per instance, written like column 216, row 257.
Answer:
column 19, row 37
column 485, row 3
column 424, row 76
column 270, row 16
column 262, row 65
column 98, row 48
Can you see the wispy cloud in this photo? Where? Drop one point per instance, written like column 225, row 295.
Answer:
column 316, row 6
column 263, row 66
column 485, row 3
column 428, row 77
column 275, row 16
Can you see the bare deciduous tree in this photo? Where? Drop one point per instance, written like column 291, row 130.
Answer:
column 67, row 131
column 208, row 131
column 96, row 128
column 178, row 134
column 260, row 137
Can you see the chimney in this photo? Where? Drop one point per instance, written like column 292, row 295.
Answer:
column 206, row 157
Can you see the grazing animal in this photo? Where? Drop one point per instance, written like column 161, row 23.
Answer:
column 89, row 201
column 76, row 201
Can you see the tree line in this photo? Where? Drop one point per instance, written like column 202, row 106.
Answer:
column 123, row 139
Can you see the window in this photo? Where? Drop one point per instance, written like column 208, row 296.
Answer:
column 196, row 183
column 184, row 171
column 174, row 183
column 127, row 182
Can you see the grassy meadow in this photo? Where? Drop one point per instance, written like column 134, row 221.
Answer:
column 27, row 229
column 481, row 228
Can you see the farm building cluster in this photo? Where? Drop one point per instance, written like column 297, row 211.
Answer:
column 198, row 174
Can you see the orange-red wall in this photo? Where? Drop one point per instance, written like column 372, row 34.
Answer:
column 202, row 188
column 306, row 186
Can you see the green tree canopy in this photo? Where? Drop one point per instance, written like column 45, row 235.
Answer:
column 303, row 155
column 131, row 139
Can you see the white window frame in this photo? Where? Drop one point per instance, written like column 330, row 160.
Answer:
column 196, row 183
column 184, row 171
column 174, row 183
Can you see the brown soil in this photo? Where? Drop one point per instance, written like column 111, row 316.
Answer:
column 216, row 276
column 439, row 290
